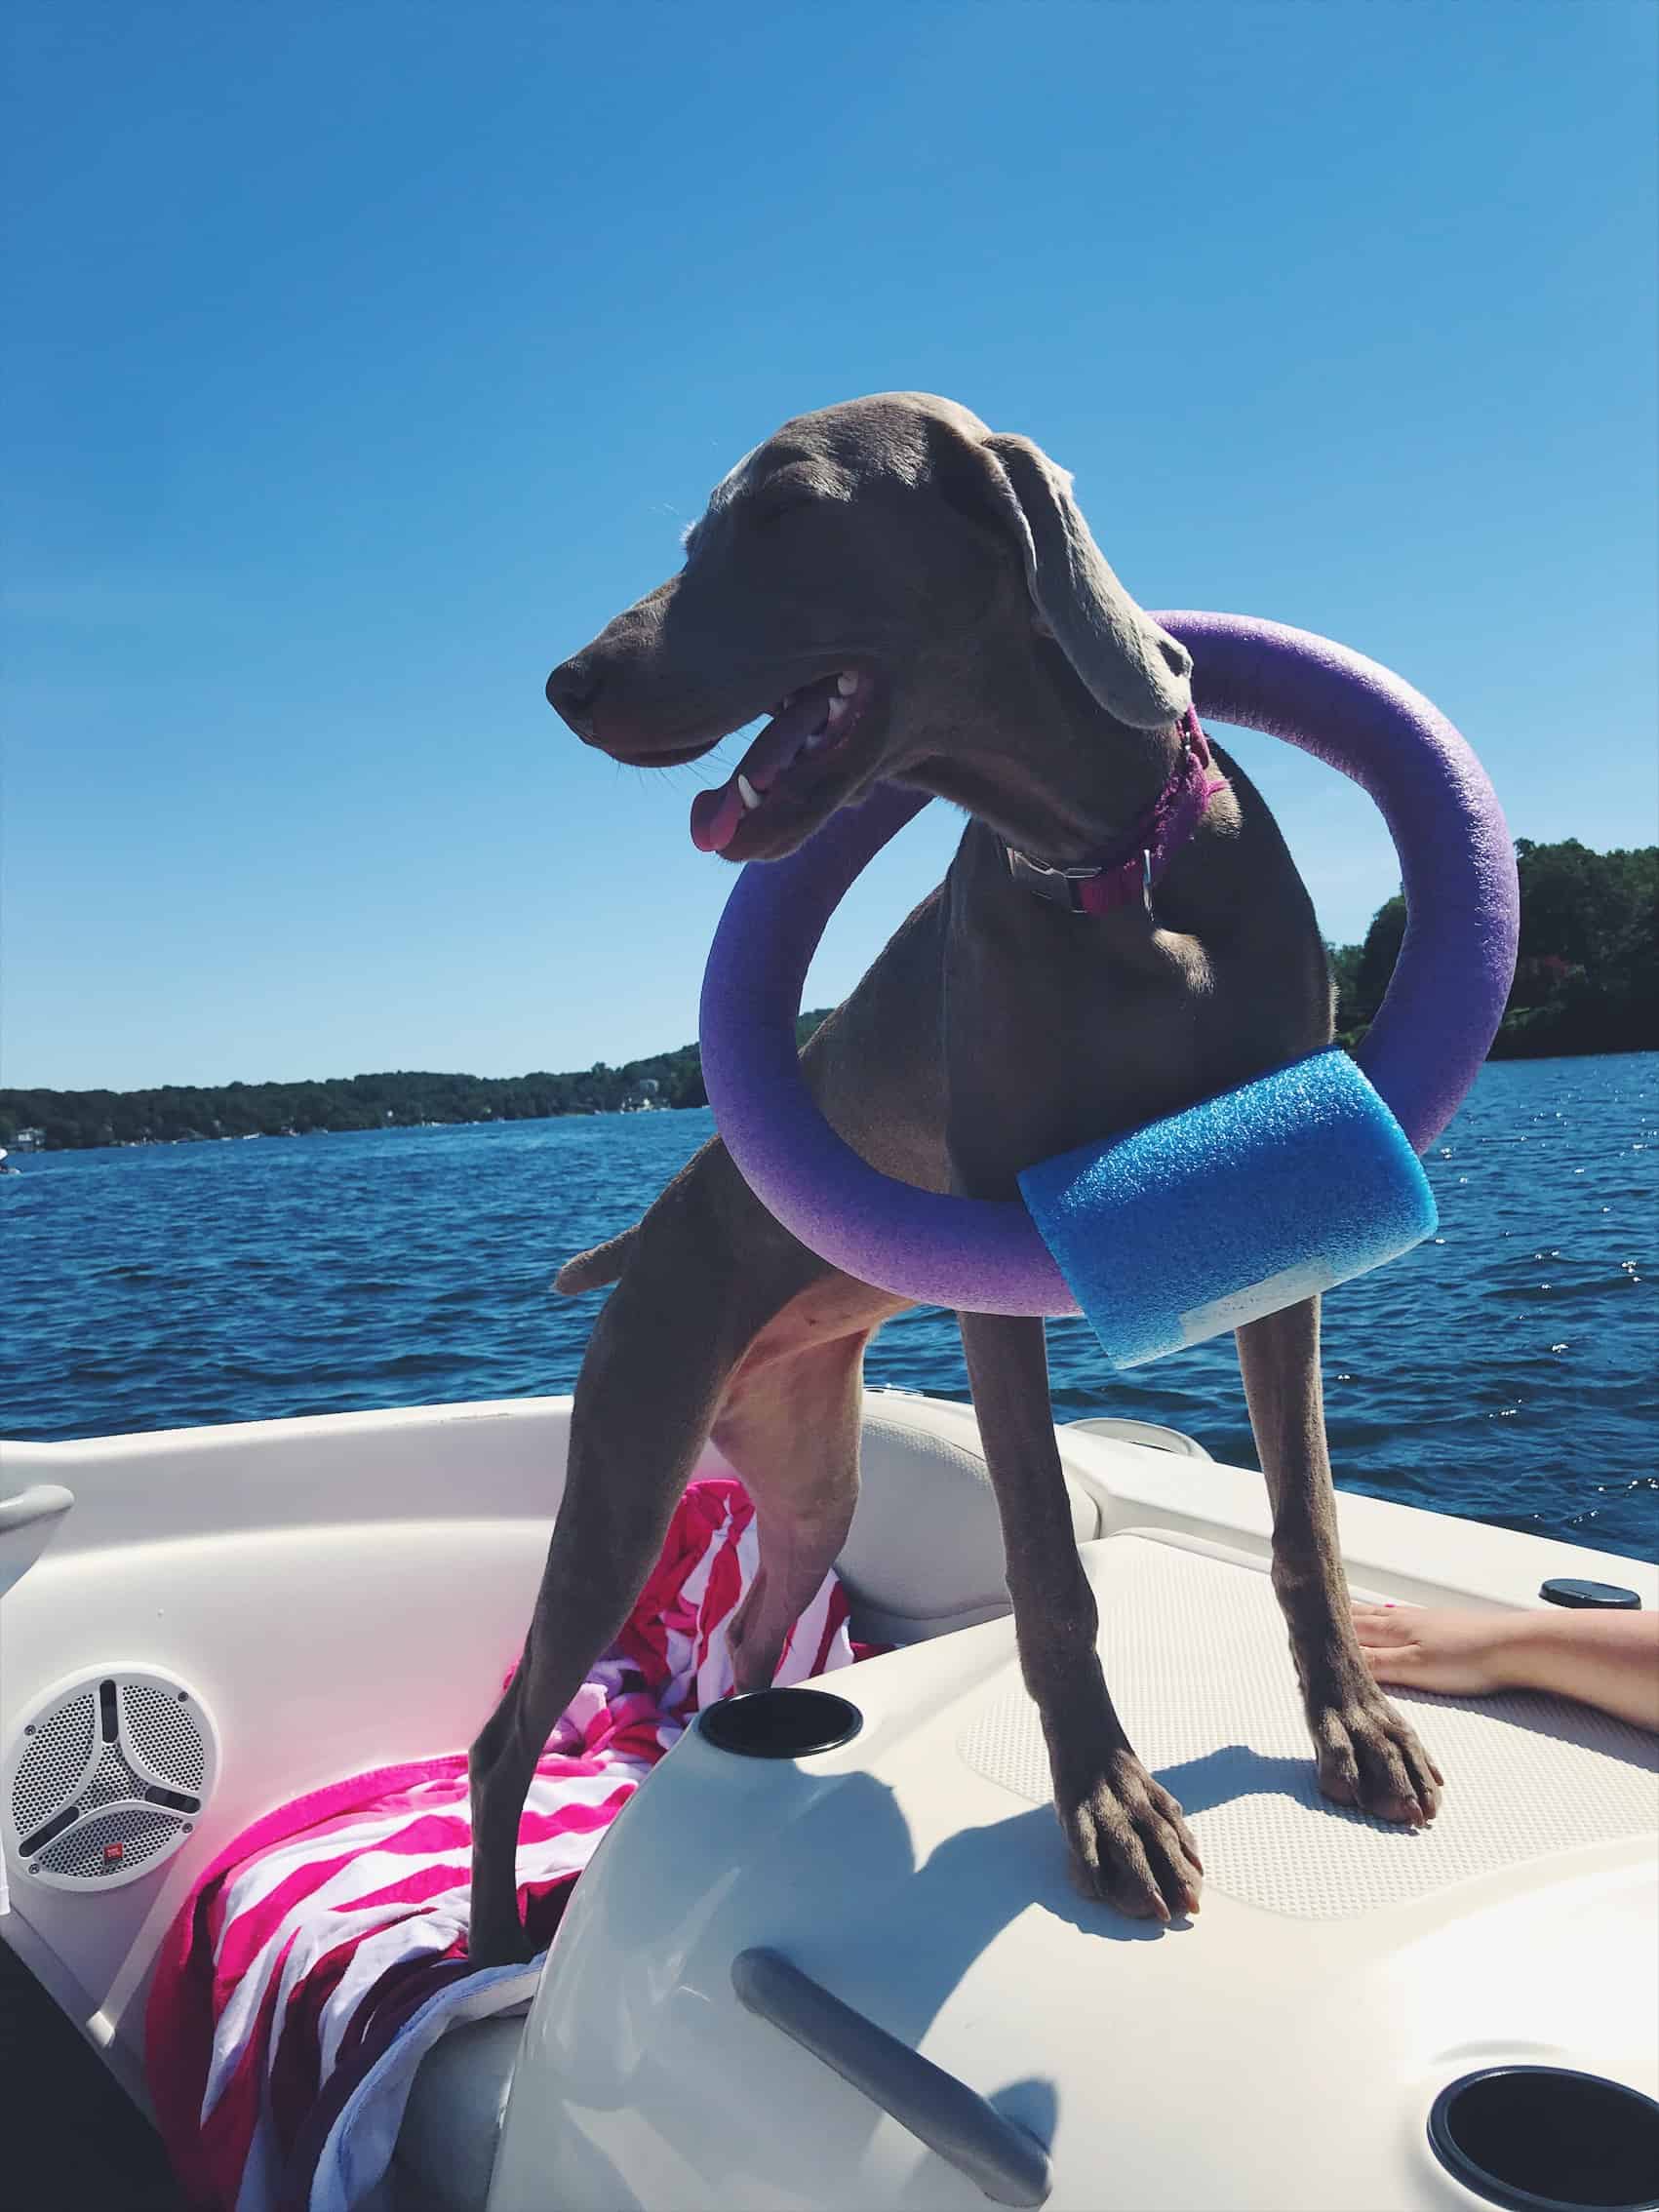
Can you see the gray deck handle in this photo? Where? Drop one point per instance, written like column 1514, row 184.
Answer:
column 998, row 2156
column 41, row 1501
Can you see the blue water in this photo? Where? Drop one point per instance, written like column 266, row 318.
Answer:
column 1504, row 1371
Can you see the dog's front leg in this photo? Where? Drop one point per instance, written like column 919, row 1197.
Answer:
column 650, row 1387
column 1129, row 1843
column 1366, row 1753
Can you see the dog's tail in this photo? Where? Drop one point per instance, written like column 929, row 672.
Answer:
column 592, row 1271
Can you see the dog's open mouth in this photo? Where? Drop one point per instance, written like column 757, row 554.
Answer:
column 805, row 730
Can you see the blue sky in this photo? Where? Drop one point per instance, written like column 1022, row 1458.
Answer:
column 364, row 359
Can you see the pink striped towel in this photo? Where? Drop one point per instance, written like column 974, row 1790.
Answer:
column 324, row 1951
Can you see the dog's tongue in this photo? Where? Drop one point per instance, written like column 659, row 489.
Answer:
column 715, row 814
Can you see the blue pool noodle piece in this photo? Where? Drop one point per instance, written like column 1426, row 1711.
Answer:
column 1231, row 1209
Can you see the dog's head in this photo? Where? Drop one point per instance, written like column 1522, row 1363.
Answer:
column 890, row 582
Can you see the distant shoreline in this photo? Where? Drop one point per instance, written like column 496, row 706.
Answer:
column 374, row 1129
column 85, row 1121
column 634, row 1103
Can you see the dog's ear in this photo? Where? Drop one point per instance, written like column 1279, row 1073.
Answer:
column 1135, row 670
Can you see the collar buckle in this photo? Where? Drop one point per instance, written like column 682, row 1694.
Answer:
column 1059, row 887
column 1068, row 886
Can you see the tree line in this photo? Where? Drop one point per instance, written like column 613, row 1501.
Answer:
column 181, row 1113
column 1585, row 982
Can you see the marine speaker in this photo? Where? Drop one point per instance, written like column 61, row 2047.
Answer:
column 106, row 1778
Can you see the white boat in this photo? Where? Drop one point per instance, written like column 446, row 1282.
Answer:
column 861, row 1977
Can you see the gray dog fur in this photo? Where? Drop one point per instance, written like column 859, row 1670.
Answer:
column 1007, row 670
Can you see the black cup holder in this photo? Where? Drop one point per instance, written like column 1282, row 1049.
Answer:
column 1544, row 2139
column 780, row 1724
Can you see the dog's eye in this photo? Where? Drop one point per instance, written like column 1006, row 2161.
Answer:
column 771, row 512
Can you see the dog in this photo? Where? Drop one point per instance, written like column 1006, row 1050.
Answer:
column 917, row 599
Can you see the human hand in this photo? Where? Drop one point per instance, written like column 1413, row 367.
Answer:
column 1462, row 1654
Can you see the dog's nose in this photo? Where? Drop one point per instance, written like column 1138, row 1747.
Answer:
column 571, row 689
column 1176, row 658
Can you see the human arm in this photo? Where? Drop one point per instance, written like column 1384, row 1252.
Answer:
column 1608, row 1660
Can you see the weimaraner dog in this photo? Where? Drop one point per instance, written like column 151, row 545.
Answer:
column 914, row 598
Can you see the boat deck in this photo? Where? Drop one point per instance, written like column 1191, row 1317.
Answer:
column 930, row 1841
column 72, row 2137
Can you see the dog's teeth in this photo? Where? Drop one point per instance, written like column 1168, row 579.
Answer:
column 837, row 713
column 846, row 682
column 746, row 791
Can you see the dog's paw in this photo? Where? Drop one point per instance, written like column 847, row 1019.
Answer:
column 1369, row 1758
column 1129, row 1844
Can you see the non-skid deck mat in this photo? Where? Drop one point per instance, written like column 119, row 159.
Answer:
column 1196, row 1655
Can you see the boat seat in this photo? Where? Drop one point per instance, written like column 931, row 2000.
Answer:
column 452, row 2124
column 924, row 1551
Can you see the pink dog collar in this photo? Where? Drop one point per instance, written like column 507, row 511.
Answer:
column 1101, row 886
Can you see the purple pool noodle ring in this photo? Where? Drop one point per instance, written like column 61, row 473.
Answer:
column 1462, row 898
column 1441, row 1014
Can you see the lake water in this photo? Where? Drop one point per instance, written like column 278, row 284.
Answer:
column 1504, row 1371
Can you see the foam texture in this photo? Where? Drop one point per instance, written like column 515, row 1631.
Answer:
column 1194, row 1649
column 1231, row 1209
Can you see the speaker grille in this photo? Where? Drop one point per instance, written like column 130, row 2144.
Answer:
column 105, row 1778
column 56, row 1755
column 160, row 1729
column 113, row 1779
column 111, row 1845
